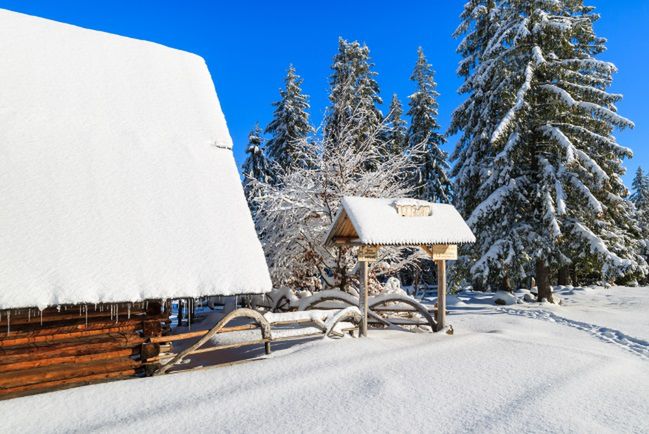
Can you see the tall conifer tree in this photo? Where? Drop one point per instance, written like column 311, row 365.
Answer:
column 640, row 186
column 550, row 193
column 353, row 114
column 256, row 167
column 432, row 182
column 396, row 130
column 290, row 126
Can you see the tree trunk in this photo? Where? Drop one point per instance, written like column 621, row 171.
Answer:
column 507, row 285
column 564, row 276
column 543, row 281
column 573, row 271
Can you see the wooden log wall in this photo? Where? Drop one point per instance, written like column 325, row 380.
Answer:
column 72, row 345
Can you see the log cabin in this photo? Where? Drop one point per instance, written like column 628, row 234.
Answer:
column 118, row 193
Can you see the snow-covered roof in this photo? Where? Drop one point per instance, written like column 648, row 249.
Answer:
column 363, row 220
column 117, row 179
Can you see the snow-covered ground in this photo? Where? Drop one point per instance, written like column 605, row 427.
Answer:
column 580, row 367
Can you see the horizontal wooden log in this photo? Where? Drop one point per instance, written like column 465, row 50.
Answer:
column 78, row 347
column 66, row 336
column 37, row 330
column 16, row 322
column 62, row 372
column 13, row 392
column 148, row 351
column 200, row 333
column 69, row 353
column 229, row 346
column 407, row 322
column 39, row 363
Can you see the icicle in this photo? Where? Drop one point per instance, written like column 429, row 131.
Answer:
column 41, row 317
column 189, row 313
column 80, row 310
column 128, row 311
column 8, row 321
column 117, row 314
column 29, row 315
column 111, row 312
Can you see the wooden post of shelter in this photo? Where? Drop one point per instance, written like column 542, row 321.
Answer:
column 440, row 254
column 366, row 254
column 363, row 296
column 441, row 294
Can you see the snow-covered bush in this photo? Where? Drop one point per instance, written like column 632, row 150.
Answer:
column 294, row 213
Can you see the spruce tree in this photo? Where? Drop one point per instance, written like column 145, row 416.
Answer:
column 290, row 126
column 640, row 198
column 476, row 117
column 396, row 130
column 431, row 181
column 353, row 115
column 551, row 193
column 640, row 195
column 256, row 167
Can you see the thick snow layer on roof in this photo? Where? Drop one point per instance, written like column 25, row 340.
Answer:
column 117, row 182
column 377, row 222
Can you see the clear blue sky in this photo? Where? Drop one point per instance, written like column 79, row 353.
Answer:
column 248, row 46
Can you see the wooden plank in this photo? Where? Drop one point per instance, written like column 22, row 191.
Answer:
column 35, row 320
column 441, row 294
column 39, row 363
column 37, row 330
column 364, row 295
column 65, row 336
column 13, row 392
column 200, row 333
column 68, row 349
column 440, row 252
column 76, row 347
column 368, row 253
column 62, row 372
column 228, row 346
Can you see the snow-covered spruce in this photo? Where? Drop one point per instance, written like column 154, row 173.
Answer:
column 256, row 167
column 353, row 116
column 430, row 180
column 395, row 136
column 640, row 199
column 289, row 126
column 537, row 167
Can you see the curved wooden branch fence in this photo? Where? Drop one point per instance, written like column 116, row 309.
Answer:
column 258, row 318
column 379, row 307
column 320, row 328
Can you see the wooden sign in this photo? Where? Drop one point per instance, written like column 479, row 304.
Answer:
column 368, row 253
column 444, row 252
column 409, row 210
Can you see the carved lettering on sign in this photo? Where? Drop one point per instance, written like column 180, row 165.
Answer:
column 368, row 253
column 444, row 252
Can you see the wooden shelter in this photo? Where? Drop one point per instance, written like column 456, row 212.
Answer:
column 371, row 223
column 118, row 193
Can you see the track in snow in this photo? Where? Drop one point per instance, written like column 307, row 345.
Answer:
column 606, row 334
